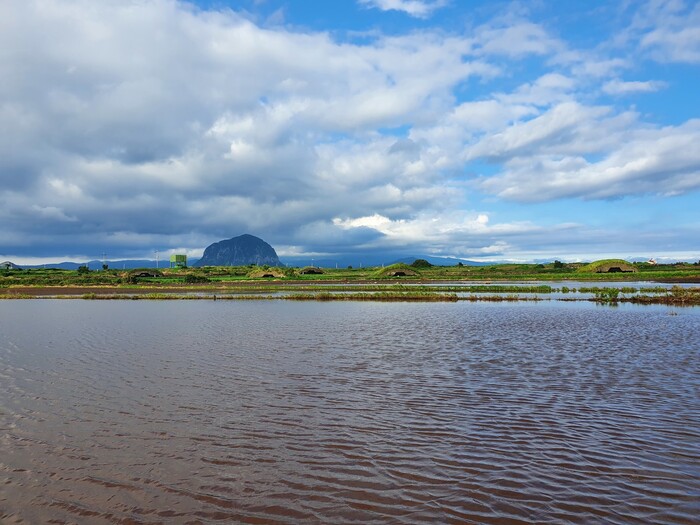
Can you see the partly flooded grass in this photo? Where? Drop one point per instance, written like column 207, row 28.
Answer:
column 323, row 296
column 447, row 292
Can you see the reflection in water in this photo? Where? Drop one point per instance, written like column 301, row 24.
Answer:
column 151, row 412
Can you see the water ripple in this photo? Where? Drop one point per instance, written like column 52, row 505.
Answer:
column 124, row 412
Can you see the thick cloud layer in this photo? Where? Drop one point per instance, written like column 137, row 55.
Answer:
column 133, row 126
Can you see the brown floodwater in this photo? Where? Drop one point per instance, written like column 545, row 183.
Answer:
column 277, row 412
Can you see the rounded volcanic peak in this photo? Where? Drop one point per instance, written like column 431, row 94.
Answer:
column 243, row 250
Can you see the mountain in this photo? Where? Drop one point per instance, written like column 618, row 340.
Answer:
column 239, row 251
column 126, row 264
column 9, row 265
column 441, row 261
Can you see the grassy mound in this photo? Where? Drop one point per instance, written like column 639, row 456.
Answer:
column 267, row 273
column 396, row 270
column 598, row 266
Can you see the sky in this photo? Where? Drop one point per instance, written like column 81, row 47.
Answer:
column 478, row 129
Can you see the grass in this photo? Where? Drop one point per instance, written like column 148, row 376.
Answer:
column 675, row 296
column 465, row 283
column 240, row 274
column 378, row 297
column 360, row 296
column 16, row 296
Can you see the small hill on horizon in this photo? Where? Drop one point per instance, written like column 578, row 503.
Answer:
column 9, row 265
column 239, row 251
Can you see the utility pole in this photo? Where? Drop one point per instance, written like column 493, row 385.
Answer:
column 156, row 259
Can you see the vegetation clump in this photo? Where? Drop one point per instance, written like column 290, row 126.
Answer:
column 607, row 295
column 676, row 296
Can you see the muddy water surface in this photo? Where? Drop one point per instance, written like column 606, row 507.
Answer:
column 276, row 412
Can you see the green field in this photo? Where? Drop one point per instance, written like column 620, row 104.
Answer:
column 418, row 282
column 679, row 272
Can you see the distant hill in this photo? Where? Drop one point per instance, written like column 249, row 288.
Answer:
column 374, row 259
column 126, row 264
column 441, row 261
column 239, row 251
column 9, row 265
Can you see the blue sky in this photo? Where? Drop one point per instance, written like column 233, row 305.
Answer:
column 483, row 130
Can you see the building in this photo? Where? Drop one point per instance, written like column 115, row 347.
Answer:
column 178, row 261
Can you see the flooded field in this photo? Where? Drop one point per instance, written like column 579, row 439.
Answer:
column 637, row 292
column 285, row 412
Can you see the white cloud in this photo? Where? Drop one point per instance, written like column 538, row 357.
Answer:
column 545, row 91
column 590, row 67
column 454, row 233
column 662, row 161
column 669, row 30
column 516, row 39
column 415, row 8
column 567, row 128
column 620, row 87
column 470, row 235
